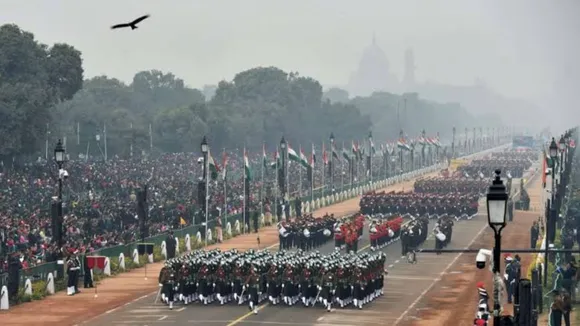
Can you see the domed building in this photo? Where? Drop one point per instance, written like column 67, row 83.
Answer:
column 373, row 73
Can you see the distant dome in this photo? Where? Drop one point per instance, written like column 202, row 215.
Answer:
column 373, row 59
column 372, row 73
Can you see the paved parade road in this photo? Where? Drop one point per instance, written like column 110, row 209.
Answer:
column 404, row 288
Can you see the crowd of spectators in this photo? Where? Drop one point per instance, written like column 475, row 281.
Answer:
column 99, row 197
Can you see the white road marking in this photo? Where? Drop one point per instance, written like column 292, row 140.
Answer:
column 161, row 318
column 148, row 316
column 146, row 310
column 413, row 278
column 420, row 297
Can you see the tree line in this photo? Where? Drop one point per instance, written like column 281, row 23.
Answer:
column 44, row 96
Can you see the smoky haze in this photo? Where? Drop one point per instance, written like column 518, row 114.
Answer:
column 517, row 58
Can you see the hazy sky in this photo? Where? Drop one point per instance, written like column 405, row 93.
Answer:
column 519, row 48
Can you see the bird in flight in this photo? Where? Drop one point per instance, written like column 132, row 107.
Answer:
column 132, row 24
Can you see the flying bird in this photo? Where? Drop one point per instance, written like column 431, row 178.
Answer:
column 132, row 24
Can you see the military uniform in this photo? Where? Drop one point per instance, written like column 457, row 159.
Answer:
column 424, row 203
column 307, row 233
column 280, row 277
column 73, row 267
column 167, row 281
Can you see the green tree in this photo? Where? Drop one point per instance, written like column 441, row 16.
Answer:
column 33, row 78
column 265, row 103
column 336, row 95
column 391, row 112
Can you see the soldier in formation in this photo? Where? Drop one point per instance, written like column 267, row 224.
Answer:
column 282, row 277
column 384, row 229
column 413, row 235
column 167, row 283
column 427, row 205
column 443, row 231
column 306, row 233
column 462, row 186
column 512, row 164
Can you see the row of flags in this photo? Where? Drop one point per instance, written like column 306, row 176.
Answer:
column 356, row 153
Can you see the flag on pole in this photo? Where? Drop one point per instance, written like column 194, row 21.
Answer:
column 333, row 150
column 544, row 168
column 324, row 158
column 213, row 167
column 264, row 158
column 247, row 166
column 292, row 154
column 355, row 151
column 276, row 162
column 224, row 165
column 303, row 159
column 313, row 156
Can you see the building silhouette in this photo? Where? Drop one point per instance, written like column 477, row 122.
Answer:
column 373, row 73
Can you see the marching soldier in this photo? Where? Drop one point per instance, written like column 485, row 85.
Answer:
column 257, row 275
column 252, row 286
column 167, row 282
column 328, row 288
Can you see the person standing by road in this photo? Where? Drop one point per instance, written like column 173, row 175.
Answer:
column 170, row 245
column 534, row 235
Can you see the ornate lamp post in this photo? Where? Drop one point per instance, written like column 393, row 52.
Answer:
column 497, row 199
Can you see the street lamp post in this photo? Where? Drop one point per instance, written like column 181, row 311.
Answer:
column 453, row 144
column 205, row 151
column 497, row 199
column 331, row 169
column 562, row 150
column 553, row 152
column 59, row 158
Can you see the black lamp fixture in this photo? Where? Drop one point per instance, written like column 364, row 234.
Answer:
column 283, row 143
column 562, row 143
column 331, row 137
column 204, row 147
column 497, row 199
column 59, row 153
column 553, row 150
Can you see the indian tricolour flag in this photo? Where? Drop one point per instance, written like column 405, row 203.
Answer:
column 292, row 154
column 422, row 141
column 436, row 142
column 264, row 158
column 224, row 165
column 276, row 161
column 373, row 151
column 248, row 171
column 303, row 159
column 213, row 167
column 402, row 144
